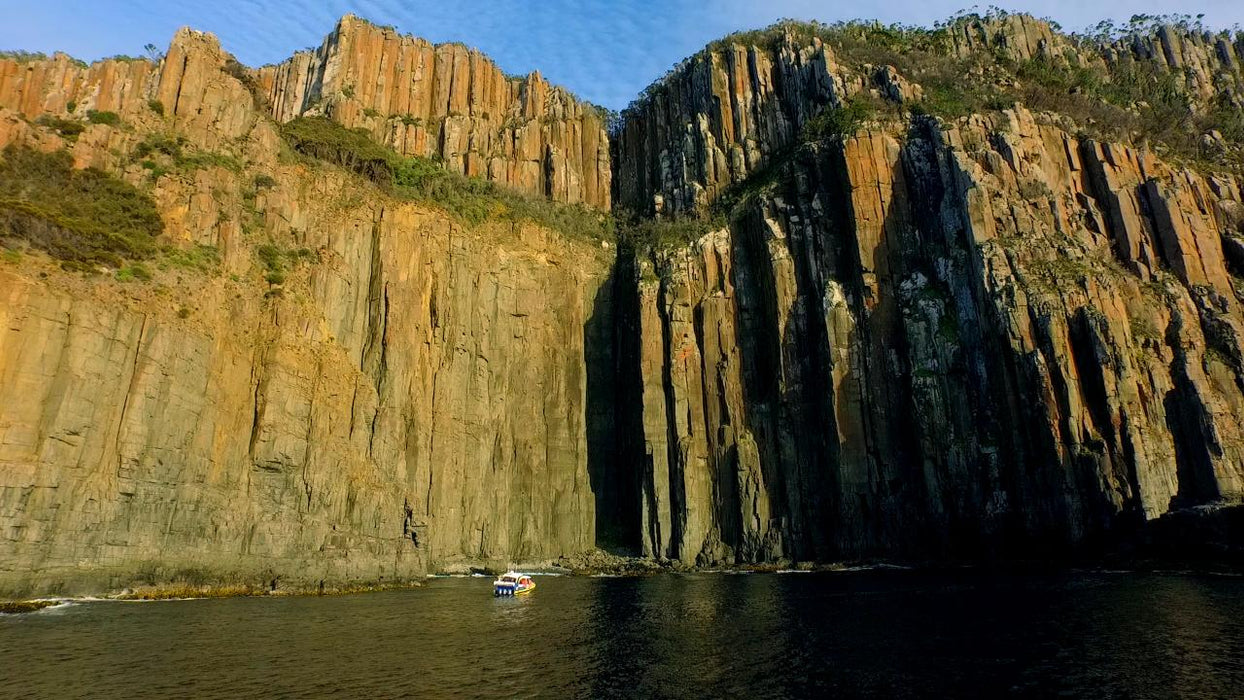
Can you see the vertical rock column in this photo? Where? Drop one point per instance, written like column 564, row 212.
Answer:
column 451, row 103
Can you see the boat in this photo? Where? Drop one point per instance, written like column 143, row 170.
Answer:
column 513, row 583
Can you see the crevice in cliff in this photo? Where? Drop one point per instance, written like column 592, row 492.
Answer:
column 409, row 528
column 181, row 82
column 631, row 462
column 1191, row 429
column 725, row 512
column 757, row 334
column 427, row 501
column 354, row 397
column 677, row 490
column 1136, row 506
column 637, row 473
column 1145, row 195
column 131, row 386
column 258, row 379
column 1055, row 486
column 1102, row 469
column 381, row 371
column 309, row 435
column 376, row 310
column 374, row 359
column 1085, row 343
column 611, row 411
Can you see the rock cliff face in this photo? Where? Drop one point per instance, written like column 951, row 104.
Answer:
column 719, row 119
column 450, row 102
column 411, row 398
column 727, row 110
column 1207, row 64
column 989, row 336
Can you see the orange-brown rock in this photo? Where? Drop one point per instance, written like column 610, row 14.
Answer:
column 984, row 336
column 409, row 396
column 47, row 87
column 452, row 103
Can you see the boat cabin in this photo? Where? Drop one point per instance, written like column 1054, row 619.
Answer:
column 512, row 584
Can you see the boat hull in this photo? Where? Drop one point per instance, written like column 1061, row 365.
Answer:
column 504, row 591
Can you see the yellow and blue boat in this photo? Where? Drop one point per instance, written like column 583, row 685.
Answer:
column 512, row 583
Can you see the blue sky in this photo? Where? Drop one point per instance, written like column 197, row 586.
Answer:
column 605, row 51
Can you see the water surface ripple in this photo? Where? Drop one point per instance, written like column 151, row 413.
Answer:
column 869, row 633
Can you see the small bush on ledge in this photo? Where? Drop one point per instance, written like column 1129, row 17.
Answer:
column 108, row 118
column 837, row 123
column 83, row 216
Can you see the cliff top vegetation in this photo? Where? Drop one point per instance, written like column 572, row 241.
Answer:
column 471, row 200
column 1097, row 83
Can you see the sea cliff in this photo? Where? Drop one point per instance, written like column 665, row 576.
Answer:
column 854, row 305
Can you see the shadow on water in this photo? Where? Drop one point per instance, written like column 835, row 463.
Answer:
column 870, row 633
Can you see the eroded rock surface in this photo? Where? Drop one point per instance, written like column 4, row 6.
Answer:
column 412, row 397
column 987, row 337
column 450, row 102
column 990, row 336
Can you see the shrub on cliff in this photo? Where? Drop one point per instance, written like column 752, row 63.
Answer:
column 159, row 143
column 352, row 149
column 472, row 200
column 837, row 123
column 646, row 235
column 23, row 56
column 80, row 216
column 67, row 128
column 98, row 117
column 243, row 75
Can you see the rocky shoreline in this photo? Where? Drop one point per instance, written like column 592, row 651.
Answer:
column 607, row 565
column 18, row 607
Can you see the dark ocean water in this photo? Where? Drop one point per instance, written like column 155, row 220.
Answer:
column 845, row 634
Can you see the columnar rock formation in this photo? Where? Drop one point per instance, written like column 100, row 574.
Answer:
column 990, row 336
column 1209, row 65
column 727, row 110
column 985, row 336
column 450, row 102
column 412, row 398
column 447, row 102
column 719, row 119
